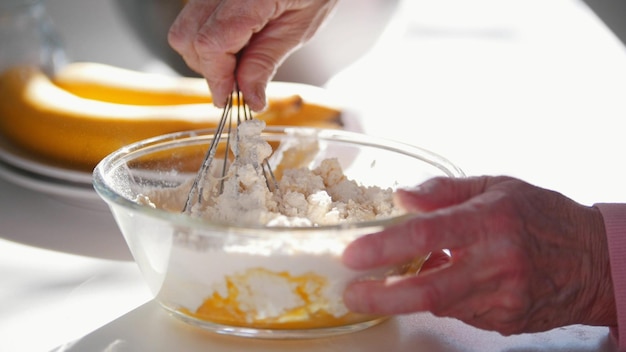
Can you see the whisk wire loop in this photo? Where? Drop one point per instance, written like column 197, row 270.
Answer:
column 243, row 112
column 195, row 193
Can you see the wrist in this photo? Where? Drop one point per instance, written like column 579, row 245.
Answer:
column 598, row 299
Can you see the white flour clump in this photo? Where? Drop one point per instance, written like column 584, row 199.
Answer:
column 245, row 197
column 325, row 196
column 304, row 197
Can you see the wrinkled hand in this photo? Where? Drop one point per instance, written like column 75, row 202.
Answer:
column 243, row 41
column 523, row 259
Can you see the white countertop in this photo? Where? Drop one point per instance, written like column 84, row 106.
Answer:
column 529, row 88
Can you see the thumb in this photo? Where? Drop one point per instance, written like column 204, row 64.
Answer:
column 439, row 192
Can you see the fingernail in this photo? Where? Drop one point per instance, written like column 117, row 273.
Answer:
column 399, row 197
column 220, row 91
column 416, row 189
column 218, row 100
column 390, row 280
column 259, row 100
column 219, row 103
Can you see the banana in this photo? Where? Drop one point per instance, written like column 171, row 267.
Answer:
column 50, row 122
column 114, row 84
column 76, row 132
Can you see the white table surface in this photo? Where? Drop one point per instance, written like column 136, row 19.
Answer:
column 529, row 88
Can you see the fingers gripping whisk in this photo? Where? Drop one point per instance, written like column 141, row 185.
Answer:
column 235, row 111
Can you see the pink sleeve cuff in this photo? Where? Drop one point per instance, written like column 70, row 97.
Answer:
column 614, row 216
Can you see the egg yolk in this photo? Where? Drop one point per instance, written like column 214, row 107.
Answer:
column 251, row 300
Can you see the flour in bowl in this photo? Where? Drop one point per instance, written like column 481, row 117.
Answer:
column 270, row 278
column 303, row 197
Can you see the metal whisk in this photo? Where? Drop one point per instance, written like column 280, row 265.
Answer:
column 242, row 113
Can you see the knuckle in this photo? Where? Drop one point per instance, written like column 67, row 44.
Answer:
column 514, row 303
column 175, row 38
column 205, row 44
column 259, row 65
column 178, row 38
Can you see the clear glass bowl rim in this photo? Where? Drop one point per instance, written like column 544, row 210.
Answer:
column 182, row 221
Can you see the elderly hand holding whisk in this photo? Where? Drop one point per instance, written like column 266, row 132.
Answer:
column 523, row 258
column 218, row 38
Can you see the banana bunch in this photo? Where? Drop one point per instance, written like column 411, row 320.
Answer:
column 88, row 110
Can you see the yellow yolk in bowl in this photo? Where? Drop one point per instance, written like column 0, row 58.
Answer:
column 305, row 306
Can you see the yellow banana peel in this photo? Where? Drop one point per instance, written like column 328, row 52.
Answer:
column 114, row 84
column 75, row 125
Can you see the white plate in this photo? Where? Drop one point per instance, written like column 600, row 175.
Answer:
column 52, row 186
column 14, row 156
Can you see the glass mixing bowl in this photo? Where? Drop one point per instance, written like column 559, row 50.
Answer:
column 254, row 281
